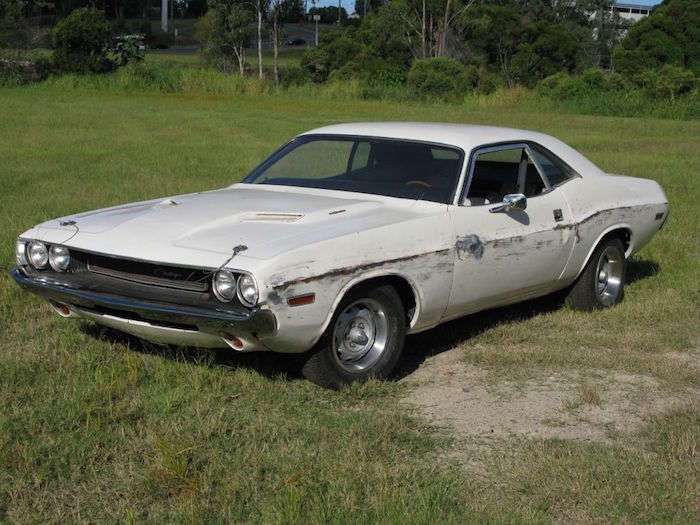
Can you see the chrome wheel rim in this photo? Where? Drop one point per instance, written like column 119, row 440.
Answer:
column 360, row 335
column 609, row 275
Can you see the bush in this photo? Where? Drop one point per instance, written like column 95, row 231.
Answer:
column 128, row 48
column 666, row 83
column 316, row 62
column 441, row 78
column 293, row 76
column 81, row 42
column 591, row 83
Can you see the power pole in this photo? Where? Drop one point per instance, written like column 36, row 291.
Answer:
column 164, row 15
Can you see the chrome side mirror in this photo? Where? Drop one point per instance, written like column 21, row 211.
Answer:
column 512, row 201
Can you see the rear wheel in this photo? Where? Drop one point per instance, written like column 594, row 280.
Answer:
column 364, row 339
column 602, row 282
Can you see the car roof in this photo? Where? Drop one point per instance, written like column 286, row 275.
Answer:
column 464, row 136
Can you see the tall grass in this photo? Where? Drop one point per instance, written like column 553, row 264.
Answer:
column 162, row 73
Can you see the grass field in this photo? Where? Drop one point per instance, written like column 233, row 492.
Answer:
column 95, row 427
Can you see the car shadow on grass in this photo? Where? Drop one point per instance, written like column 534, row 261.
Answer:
column 268, row 364
column 447, row 336
column 418, row 348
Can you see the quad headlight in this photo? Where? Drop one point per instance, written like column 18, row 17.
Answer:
column 247, row 290
column 224, row 285
column 38, row 254
column 59, row 258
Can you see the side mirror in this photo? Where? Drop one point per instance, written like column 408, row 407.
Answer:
column 512, row 201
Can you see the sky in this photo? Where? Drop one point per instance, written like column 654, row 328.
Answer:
column 349, row 5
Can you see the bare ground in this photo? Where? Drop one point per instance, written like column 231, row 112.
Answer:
column 598, row 405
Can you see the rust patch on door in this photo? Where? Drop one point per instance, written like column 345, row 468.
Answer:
column 469, row 246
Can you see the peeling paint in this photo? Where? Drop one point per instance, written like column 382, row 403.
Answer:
column 349, row 270
column 506, row 242
column 274, row 298
column 469, row 246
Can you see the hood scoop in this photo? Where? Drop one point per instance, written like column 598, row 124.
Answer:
column 167, row 203
column 272, row 217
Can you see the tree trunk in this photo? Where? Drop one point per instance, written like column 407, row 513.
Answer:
column 442, row 44
column 422, row 33
column 260, row 16
column 240, row 57
column 275, row 45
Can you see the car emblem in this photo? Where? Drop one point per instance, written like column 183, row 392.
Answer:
column 167, row 274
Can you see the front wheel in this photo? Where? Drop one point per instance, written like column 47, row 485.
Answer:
column 364, row 339
column 602, row 282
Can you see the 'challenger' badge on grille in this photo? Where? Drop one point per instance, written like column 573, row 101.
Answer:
column 166, row 273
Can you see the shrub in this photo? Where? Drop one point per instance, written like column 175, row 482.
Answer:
column 128, row 48
column 666, row 83
column 593, row 82
column 316, row 62
column 393, row 76
column 81, row 42
column 441, row 78
column 293, row 76
column 488, row 82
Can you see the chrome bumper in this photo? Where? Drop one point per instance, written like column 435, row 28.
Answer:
column 156, row 321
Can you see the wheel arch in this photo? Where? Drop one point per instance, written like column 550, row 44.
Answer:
column 620, row 231
column 404, row 286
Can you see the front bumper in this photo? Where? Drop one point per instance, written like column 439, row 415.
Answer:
column 156, row 321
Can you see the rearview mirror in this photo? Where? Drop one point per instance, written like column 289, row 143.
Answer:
column 512, row 201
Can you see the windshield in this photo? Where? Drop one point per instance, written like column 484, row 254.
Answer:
column 395, row 168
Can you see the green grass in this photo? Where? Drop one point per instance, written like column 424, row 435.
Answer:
column 95, row 427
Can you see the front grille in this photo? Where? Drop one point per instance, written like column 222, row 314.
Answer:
column 179, row 278
column 146, row 279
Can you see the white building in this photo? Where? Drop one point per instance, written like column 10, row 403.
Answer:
column 630, row 11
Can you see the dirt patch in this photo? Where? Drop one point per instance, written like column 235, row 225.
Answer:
column 590, row 406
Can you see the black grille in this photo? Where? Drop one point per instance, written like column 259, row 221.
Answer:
column 179, row 278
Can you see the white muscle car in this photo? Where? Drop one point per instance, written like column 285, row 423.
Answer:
column 348, row 238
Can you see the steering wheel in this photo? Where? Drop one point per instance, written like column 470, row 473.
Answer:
column 419, row 182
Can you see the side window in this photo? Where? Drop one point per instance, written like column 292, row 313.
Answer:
column 554, row 169
column 498, row 172
column 361, row 156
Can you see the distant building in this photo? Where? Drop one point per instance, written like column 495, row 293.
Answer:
column 630, row 11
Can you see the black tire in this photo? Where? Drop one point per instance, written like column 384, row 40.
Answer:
column 602, row 282
column 364, row 339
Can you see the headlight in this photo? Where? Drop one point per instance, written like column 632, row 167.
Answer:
column 21, row 253
column 224, row 285
column 247, row 290
column 59, row 258
column 38, row 254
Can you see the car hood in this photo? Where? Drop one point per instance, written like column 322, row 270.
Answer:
column 203, row 229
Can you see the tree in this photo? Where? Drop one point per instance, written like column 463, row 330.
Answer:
column 224, row 32
column 546, row 48
column 492, row 34
column 293, row 11
column 428, row 24
column 363, row 7
column 82, row 41
column 669, row 35
column 12, row 32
